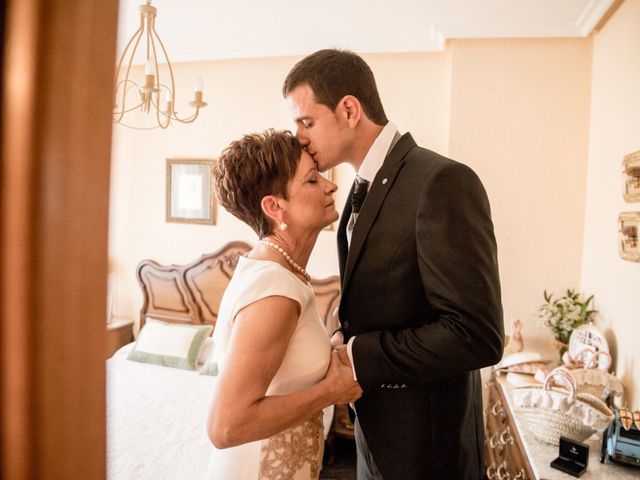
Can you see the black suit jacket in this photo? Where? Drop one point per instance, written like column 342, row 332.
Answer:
column 420, row 290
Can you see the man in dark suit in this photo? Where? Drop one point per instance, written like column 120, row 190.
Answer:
column 420, row 309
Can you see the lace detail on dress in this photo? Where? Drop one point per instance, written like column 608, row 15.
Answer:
column 286, row 453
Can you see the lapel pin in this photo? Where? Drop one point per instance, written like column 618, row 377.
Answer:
column 384, row 181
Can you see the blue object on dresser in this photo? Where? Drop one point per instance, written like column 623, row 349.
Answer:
column 621, row 445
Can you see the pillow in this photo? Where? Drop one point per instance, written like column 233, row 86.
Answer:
column 169, row 344
column 207, row 346
column 210, row 366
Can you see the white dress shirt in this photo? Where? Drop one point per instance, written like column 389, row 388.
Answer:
column 368, row 170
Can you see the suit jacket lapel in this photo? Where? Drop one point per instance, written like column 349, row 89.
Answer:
column 343, row 244
column 377, row 193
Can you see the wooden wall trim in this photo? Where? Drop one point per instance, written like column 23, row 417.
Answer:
column 56, row 111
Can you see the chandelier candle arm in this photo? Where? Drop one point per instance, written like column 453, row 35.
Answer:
column 198, row 89
column 149, row 92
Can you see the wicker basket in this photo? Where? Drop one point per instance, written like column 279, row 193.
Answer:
column 590, row 370
column 552, row 413
column 597, row 382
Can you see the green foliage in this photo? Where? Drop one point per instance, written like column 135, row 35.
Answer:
column 563, row 314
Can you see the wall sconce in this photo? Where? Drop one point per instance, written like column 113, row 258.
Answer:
column 630, row 236
column 634, row 176
column 628, row 227
column 631, row 177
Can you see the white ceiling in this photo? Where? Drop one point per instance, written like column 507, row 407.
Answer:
column 197, row 30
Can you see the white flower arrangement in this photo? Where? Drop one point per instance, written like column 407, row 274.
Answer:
column 564, row 314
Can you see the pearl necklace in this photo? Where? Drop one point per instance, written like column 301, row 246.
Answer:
column 288, row 258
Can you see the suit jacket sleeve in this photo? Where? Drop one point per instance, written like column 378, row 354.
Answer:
column 457, row 263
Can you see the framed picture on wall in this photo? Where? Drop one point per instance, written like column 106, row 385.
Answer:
column 631, row 177
column 331, row 176
column 189, row 191
column 628, row 228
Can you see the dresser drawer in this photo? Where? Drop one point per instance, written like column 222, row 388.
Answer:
column 504, row 452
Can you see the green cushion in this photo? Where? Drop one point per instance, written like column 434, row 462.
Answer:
column 209, row 368
column 169, row 344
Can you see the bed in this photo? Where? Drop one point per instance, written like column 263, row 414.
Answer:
column 156, row 414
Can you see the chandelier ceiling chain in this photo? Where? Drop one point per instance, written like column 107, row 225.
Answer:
column 146, row 97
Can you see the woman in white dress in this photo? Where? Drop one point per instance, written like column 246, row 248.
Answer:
column 276, row 368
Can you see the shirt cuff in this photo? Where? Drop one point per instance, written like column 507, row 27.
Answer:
column 350, row 353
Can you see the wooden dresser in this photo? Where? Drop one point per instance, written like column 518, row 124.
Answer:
column 504, row 451
column 513, row 453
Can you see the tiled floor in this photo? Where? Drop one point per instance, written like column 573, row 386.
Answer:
column 344, row 465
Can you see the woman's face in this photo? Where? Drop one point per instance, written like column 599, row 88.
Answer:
column 310, row 203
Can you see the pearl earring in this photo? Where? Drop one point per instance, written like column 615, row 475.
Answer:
column 283, row 226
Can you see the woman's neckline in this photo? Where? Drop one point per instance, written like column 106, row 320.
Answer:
column 282, row 267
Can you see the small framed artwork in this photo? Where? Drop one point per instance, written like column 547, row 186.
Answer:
column 331, row 176
column 189, row 195
column 631, row 177
column 628, row 229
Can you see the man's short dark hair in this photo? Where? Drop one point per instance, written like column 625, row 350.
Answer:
column 333, row 74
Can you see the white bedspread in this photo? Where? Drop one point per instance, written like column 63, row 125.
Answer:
column 156, row 421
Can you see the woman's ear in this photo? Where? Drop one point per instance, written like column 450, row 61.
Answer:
column 350, row 109
column 272, row 208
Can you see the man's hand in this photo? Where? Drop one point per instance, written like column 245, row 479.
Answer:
column 343, row 355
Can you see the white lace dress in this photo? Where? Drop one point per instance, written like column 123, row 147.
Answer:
column 295, row 453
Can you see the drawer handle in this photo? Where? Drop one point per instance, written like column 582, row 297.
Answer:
column 491, row 471
column 505, row 437
column 494, row 441
column 502, row 473
column 522, row 475
column 497, row 410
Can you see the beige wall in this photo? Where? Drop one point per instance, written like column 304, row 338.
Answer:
column 520, row 118
column 615, row 132
column 243, row 96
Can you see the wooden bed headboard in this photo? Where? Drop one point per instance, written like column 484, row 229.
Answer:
column 192, row 293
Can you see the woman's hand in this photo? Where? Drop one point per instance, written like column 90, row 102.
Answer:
column 340, row 380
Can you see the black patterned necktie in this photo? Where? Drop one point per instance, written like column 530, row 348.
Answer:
column 359, row 193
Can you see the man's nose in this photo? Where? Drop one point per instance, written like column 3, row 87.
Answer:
column 304, row 141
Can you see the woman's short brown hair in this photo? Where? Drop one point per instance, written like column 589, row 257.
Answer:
column 257, row 165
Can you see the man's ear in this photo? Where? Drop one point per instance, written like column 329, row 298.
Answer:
column 350, row 109
column 272, row 208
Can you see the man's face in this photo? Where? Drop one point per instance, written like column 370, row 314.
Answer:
column 319, row 130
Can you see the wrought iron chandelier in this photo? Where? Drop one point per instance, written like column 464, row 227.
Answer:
column 129, row 96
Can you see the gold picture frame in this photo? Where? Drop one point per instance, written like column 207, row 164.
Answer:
column 628, row 232
column 189, row 191
column 631, row 177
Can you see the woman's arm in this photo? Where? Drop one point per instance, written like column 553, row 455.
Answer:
column 240, row 412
